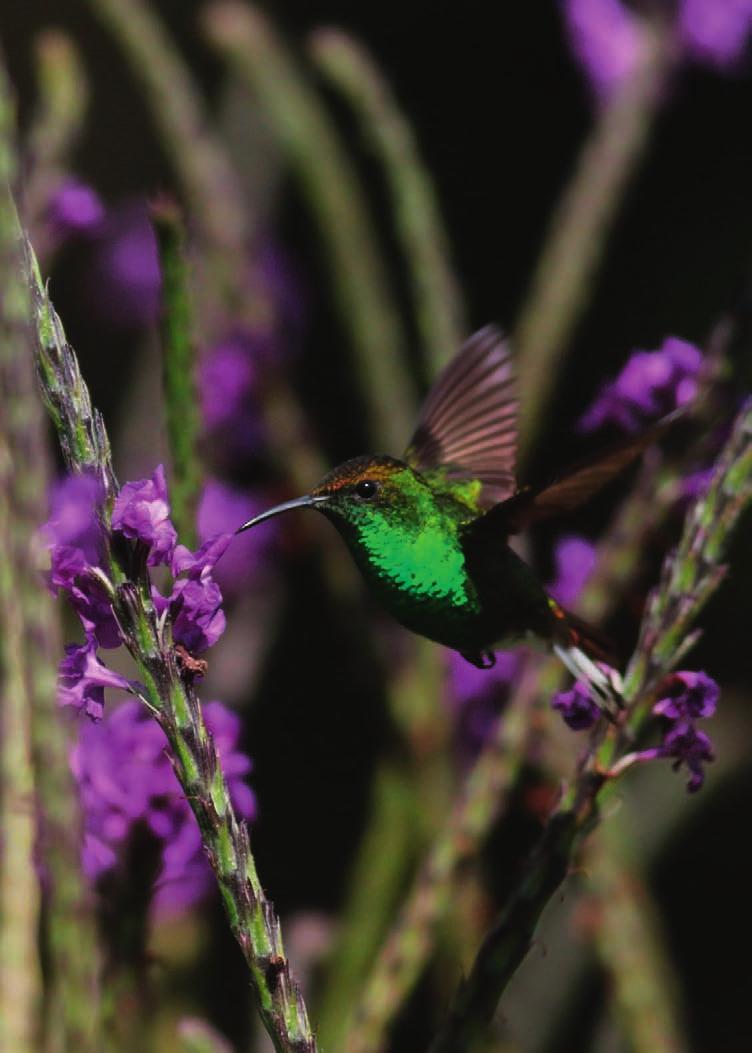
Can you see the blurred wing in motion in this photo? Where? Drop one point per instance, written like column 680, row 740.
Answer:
column 468, row 423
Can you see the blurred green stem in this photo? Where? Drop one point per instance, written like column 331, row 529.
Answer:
column 307, row 135
column 37, row 736
column 178, row 368
column 627, row 936
column 56, row 126
column 215, row 199
column 563, row 279
column 437, row 299
column 20, row 976
column 690, row 576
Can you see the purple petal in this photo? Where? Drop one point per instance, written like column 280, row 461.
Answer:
column 577, row 708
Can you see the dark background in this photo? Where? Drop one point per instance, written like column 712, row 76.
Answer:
column 500, row 112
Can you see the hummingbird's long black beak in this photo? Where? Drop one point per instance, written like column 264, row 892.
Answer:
column 307, row 501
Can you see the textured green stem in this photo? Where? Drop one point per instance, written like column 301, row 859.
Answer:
column 436, row 295
column 689, row 578
column 308, row 137
column 172, row 700
column 179, row 369
column 580, row 225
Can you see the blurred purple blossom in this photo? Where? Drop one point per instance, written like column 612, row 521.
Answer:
column 142, row 513
column 575, row 560
column 229, row 387
column 224, row 507
column 125, row 778
column 715, row 32
column 83, row 678
column 124, row 279
column 577, row 707
column 476, row 696
column 74, row 209
column 606, row 39
column 74, row 535
column 688, row 696
column 651, row 384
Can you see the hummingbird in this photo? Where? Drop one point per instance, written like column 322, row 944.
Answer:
column 430, row 531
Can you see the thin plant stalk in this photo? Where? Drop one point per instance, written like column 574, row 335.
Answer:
column 178, row 342
column 581, row 223
column 213, row 193
column 626, row 934
column 169, row 694
column 690, row 576
column 56, row 125
column 437, row 300
column 20, row 978
column 246, row 39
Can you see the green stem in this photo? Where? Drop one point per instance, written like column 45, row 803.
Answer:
column 173, row 702
column 628, row 940
column 56, row 126
column 580, row 226
column 215, row 199
column 308, row 137
column 437, row 299
column 179, row 369
column 689, row 578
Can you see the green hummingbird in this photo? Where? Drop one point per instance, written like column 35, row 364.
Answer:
column 430, row 531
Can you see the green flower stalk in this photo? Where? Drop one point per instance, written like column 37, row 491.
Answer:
column 690, row 576
column 167, row 688
column 437, row 299
column 306, row 134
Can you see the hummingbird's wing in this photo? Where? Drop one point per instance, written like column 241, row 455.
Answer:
column 468, row 423
column 576, row 486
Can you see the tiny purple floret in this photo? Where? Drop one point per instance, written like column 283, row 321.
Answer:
column 142, row 513
column 688, row 696
column 577, row 708
column 83, row 678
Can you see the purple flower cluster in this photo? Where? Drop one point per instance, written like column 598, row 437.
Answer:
column 651, row 384
column 578, row 710
column 125, row 778
column 141, row 514
column 688, row 697
column 608, row 37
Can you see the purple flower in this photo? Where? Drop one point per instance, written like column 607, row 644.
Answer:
column 142, row 512
column 198, row 620
column 715, row 32
column 651, row 384
column 688, row 696
column 607, row 41
column 687, row 745
column 575, row 561
column 124, row 280
column 74, row 534
column 83, row 678
column 75, row 208
column 229, row 382
column 224, row 507
column 125, row 778
column 74, row 503
column 576, row 707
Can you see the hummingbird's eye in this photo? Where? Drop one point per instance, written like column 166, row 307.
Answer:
column 366, row 489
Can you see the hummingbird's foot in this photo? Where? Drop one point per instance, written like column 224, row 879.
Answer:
column 481, row 659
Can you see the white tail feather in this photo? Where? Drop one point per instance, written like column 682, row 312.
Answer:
column 605, row 687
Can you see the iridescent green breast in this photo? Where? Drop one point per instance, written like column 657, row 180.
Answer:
column 409, row 551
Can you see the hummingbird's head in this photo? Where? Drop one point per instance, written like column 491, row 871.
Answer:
column 363, row 493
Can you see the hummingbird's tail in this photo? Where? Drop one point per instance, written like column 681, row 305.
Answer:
column 577, row 645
